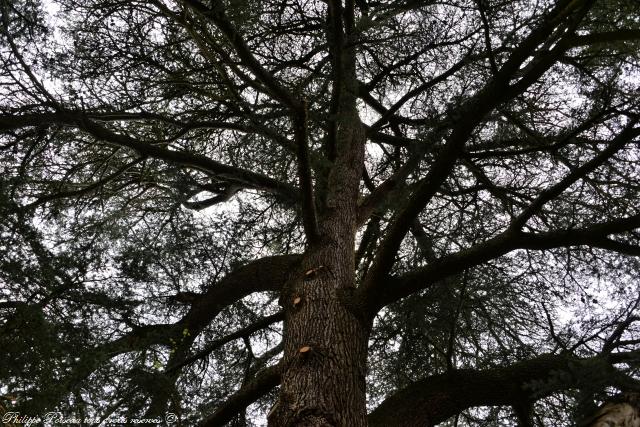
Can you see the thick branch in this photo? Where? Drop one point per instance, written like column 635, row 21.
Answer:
column 395, row 288
column 265, row 274
column 195, row 161
column 606, row 37
column 434, row 399
column 309, row 215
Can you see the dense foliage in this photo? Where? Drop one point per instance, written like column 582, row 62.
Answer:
column 155, row 195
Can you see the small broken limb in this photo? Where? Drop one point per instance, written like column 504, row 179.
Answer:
column 312, row 273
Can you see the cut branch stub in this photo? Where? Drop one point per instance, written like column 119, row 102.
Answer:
column 305, row 350
column 297, row 301
column 312, row 273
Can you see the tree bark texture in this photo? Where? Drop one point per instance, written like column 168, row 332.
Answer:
column 325, row 337
column 621, row 411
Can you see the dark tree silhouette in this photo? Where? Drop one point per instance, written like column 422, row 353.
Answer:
column 317, row 212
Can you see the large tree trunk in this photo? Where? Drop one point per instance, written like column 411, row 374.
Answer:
column 325, row 337
column 325, row 333
column 323, row 381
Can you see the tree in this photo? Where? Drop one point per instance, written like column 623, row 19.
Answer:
column 304, row 211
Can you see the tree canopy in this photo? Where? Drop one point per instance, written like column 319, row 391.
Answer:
column 207, row 206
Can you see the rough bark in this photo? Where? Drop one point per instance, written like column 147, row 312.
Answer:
column 621, row 411
column 325, row 338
